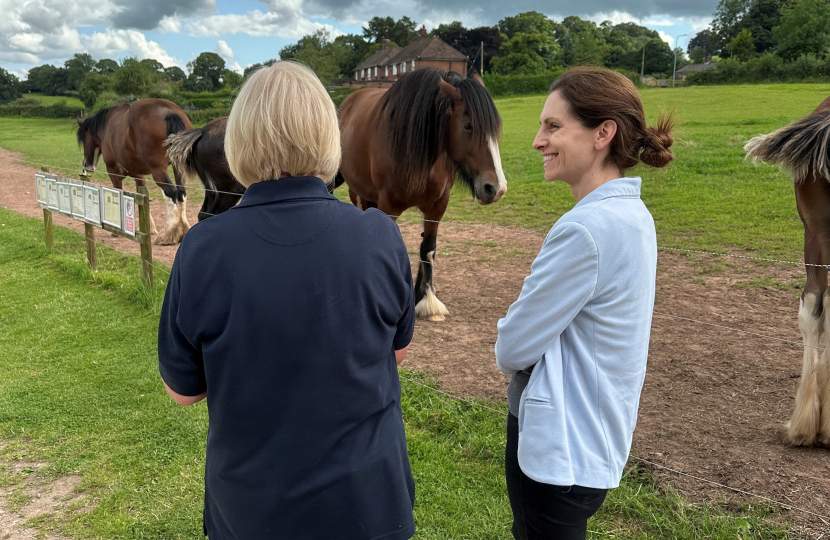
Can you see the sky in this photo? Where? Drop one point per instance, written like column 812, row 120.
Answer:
column 244, row 32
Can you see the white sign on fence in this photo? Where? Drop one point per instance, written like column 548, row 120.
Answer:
column 40, row 189
column 64, row 199
column 92, row 204
column 111, row 214
column 129, row 215
column 76, row 193
column 52, row 193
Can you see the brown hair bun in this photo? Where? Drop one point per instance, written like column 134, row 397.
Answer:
column 657, row 142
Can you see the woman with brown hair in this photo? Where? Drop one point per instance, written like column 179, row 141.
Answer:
column 576, row 340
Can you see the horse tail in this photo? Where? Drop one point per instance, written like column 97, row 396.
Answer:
column 180, row 149
column 801, row 147
column 175, row 124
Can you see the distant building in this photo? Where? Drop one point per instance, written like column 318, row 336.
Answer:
column 383, row 68
column 694, row 68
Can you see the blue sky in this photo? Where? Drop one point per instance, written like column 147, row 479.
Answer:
column 34, row 32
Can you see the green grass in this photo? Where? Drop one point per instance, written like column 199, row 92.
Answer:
column 51, row 100
column 709, row 197
column 80, row 392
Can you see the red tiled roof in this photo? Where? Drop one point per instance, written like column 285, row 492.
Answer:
column 431, row 48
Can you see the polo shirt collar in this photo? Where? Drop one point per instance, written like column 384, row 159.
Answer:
column 620, row 187
column 285, row 189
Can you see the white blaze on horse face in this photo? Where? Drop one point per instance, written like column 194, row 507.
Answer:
column 494, row 152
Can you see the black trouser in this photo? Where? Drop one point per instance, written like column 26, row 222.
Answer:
column 544, row 511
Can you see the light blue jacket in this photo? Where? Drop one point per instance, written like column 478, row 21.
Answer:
column 583, row 319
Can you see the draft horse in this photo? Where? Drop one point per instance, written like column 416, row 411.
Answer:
column 803, row 148
column 201, row 151
column 404, row 147
column 130, row 138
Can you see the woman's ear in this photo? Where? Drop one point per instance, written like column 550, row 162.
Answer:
column 605, row 134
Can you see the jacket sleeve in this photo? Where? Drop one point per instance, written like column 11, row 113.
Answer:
column 562, row 280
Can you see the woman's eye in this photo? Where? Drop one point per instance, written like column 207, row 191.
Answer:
column 551, row 127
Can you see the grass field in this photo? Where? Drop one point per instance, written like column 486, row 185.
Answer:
column 51, row 100
column 708, row 198
column 80, row 394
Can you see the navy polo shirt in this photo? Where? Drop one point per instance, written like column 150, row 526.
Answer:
column 287, row 310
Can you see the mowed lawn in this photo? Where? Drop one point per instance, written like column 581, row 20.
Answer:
column 80, row 395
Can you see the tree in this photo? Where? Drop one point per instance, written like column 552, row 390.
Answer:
column 76, row 69
column 46, row 79
column 529, row 22
column 590, row 48
column 727, row 22
column 205, row 73
column 132, row 78
column 526, row 54
column 469, row 41
column 153, row 65
column 804, row 29
column 742, row 46
column 703, row 41
column 93, row 86
column 9, row 87
column 106, row 66
column 175, row 74
column 349, row 50
column 760, row 19
column 401, row 31
column 231, row 79
column 697, row 55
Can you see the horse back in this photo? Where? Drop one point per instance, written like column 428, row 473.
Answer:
column 361, row 132
column 151, row 121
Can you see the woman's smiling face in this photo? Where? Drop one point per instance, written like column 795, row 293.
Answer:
column 568, row 148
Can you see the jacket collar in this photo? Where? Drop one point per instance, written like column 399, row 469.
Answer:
column 621, row 187
column 285, row 189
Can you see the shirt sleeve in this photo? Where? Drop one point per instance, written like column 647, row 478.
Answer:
column 406, row 324
column 180, row 361
column 562, row 280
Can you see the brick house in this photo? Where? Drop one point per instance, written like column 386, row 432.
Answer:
column 383, row 68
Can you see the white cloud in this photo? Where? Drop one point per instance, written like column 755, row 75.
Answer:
column 224, row 50
column 169, row 25
column 255, row 23
column 234, row 66
column 131, row 41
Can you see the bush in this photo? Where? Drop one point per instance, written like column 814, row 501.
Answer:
column 515, row 85
column 58, row 110
column 27, row 102
column 766, row 68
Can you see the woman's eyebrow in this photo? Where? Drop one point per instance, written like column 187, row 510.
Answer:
column 550, row 120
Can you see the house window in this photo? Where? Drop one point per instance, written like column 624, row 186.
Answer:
column 395, row 69
column 403, row 67
column 376, row 71
column 362, row 73
column 413, row 65
column 385, row 71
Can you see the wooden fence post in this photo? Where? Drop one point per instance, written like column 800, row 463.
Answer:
column 47, row 222
column 146, row 240
column 91, row 250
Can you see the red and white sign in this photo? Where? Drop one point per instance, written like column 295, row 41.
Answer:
column 129, row 215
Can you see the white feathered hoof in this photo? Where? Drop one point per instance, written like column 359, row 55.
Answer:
column 430, row 308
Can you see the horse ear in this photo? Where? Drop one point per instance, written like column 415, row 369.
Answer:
column 449, row 90
column 80, row 121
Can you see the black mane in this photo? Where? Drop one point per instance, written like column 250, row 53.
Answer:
column 418, row 116
column 93, row 124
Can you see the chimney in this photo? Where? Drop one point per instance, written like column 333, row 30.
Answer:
column 708, row 58
column 385, row 43
column 423, row 31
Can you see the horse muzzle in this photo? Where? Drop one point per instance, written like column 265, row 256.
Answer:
column 488, row 192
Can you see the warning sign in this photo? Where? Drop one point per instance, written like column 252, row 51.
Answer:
column 129, row 215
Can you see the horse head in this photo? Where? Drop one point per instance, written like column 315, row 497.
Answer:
column 473, row 137
column 89, row 137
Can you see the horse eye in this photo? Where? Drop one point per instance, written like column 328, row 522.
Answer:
column 468, row 127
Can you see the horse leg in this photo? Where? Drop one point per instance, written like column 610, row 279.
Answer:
column 181, row 200
column 172, row 233
column 801, row 430
column 140, row 183
column 427, row 304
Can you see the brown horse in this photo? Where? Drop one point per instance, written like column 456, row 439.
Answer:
column 803, row 148
column 405, row 146
column 130, row 137
column 201, row 151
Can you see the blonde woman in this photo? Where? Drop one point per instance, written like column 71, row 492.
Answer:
column 290, row 313
column 576, row 340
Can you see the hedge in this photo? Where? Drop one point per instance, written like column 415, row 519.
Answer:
column 763, row 69
column 517, row 85
column 58, row 110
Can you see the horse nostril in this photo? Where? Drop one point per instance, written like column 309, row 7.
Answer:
column 490, row 190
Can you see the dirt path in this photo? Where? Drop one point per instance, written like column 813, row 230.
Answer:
column 714, row 400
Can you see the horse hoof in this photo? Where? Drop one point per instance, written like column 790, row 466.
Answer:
column 436, row 318
column 794, row 438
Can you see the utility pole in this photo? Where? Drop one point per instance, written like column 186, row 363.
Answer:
column 482, row 59
column 643, row 65
column 674, row 72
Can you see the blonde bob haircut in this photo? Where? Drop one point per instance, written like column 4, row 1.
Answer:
column 283, row 123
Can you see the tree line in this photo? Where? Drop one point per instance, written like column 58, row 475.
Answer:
column 748, row 29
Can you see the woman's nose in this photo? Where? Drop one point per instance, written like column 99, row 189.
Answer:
column 538, row 143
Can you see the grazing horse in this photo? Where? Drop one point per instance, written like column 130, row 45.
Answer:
column 803, row 148
column 201, row 151
column 405, row 146
column 130, row 137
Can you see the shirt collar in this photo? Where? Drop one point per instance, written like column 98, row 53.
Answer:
column 284, row 189
column 621, row 187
